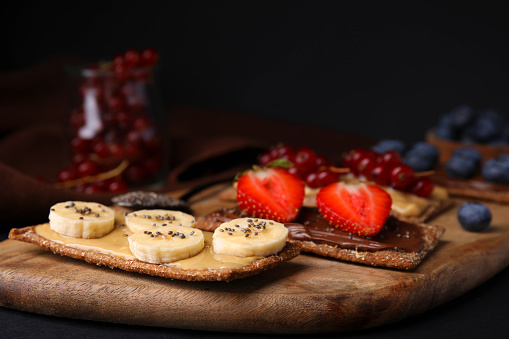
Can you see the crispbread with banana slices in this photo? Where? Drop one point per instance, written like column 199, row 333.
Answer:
column 402, row 243
column 29, row 235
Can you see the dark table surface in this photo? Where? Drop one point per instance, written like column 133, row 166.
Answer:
column 481, row 312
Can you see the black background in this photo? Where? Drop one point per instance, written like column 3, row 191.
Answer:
column 383, row 69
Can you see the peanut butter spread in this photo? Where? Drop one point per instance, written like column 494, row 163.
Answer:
column 116, row 244
column 405, row 204
column 410, row 205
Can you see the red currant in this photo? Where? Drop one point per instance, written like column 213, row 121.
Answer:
column 352, row 158
column 401, row 176
column 117, row 103
column 92, row 188
column 123, row 118
column 135, row 174
column 87, row 168
column 380, row 175
column 134, row 137
column 77, row 120
column 347, row 160
column 109, row 119
column 117, row 186
column 149, row 56
column 391, row 158
column 81, row 188
column 132, row 58
column 101, row 185
column 132, row 151
column 118, row 59
column 283, row 151
column 66, row 175
column 326, row 176
column 311, row 180
column 79, row 145
column 296, row 171
column 116, row 150
column 78, row 158
column 121, row 71
column 365, row 164
column 141, row 123
column 305, row 159
column 101, row 149
column 151, row 141
column 422, row 187
column 321, row 161
column 265, row 158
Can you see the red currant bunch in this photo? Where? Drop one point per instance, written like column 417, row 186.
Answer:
column 386, row 169
column 316, row 170
column 112, row 123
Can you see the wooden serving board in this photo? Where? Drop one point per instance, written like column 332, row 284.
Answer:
column 309, row 294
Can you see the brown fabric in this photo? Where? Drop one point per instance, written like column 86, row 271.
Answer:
column 205, row 145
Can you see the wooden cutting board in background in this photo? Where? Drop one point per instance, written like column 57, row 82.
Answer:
column 309, row 294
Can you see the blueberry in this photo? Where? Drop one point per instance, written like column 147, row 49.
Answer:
column 385, row 145
column 445, row 132
column 503, row 158
column 474, row 217
column 496, row 116
column 497, row 169
column 422, row 156
column 462, row 116
column 505, row 134
column 469, row 152
column 460, row 167
column 445, row 128
column 419, row 163
column 425, row 148
column 484, row 130
column 446, row 119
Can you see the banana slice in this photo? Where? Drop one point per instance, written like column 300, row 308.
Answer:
column 247, row 237
column 81, row 219
column 166, row 246
column 150, row 220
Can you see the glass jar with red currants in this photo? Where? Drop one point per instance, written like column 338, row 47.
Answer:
column 116, row 125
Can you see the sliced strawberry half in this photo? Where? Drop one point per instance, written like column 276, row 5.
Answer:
column 360, row 208
column 270, row 193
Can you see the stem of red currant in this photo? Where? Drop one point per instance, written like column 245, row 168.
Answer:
column 93, row 178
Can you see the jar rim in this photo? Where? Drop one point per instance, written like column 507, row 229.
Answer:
column 92, row 71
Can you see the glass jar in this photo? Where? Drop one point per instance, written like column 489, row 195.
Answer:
column 117, row 129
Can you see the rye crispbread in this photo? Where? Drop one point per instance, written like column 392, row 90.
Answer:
column 397, row 259
column 475, row 187
column 385, row 258
column 29, row 235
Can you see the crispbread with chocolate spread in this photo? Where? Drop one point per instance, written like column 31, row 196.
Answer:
column 391, row 258
column 402, row 243
column 29, row 235
column 475, row 187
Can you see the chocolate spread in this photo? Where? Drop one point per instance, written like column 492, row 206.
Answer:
column 311, row 226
